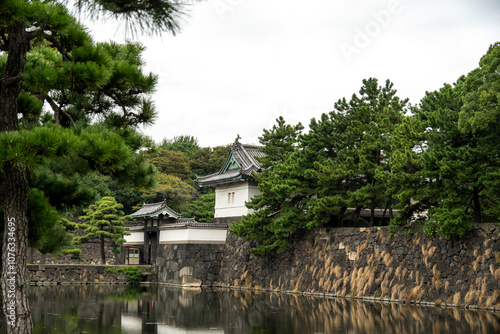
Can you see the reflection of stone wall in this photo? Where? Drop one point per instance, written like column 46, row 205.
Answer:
column 249, row 312
column 60, row 273
column 235, row 312
column 356, row 262
column 189, row 264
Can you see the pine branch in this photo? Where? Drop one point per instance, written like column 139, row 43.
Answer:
column 58, row 110
column 10, row 80
column 57, row 43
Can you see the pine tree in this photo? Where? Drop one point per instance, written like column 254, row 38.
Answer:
column 446, row 155
column 309, row 180
column 355, row 172
column 185, row 144
column 105, row 220
column 24, row 25
column 201, row 209
column 276, row 203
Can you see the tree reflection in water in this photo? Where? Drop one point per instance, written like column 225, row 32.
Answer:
column 112, row 309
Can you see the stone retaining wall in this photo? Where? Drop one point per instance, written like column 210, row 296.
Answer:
column 79, row 274
column 189, row 265
column 371, row 264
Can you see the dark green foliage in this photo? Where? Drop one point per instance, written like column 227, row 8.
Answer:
column 446, row 156
column 56, row 157
column 72, row 249
column 278, row 208
column 310, row 180
column 46, row 231
column 105, row 220
column 170, row 162
column 133, row 273
column 355, row 171
column 202, row 209
column 174, row 190
column 147, row 16
column 93, row 82
column 209, row 160
column 185, row 144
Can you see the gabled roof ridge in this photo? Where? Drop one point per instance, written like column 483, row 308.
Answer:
column 245, row 156
column 251, row 157
column 154, row 208
column 252, row 146
column 152, row 204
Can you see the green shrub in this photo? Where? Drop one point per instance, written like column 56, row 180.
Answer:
column 133, row 273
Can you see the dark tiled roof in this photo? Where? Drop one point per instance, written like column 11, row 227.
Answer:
column 191, row 223
column 153, row 209
column 183, row 223
column 246, row 156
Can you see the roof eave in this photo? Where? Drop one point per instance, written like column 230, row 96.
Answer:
column 239, row 178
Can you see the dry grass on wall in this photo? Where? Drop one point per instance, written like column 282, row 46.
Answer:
column 373, row 264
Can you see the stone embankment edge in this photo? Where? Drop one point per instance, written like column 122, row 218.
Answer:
column 71, row 274
column 367, row 299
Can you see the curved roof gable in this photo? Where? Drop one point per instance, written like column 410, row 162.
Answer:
column 240, row 164
column 155, row 209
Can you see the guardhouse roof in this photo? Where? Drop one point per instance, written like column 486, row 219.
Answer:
column 241, row 162
column 155, row 209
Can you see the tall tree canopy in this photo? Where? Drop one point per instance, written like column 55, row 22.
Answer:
column 446, row 155
column 311, row 179
column 354, row 173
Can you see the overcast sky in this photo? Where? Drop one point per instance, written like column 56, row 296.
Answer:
column 239, row 64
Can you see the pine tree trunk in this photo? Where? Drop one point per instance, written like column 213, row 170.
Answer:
column 10, row 83
column 391, row 213
column 103, row 254
column 14, row 251
column 115, row 252
column 342, row 211
column 383, row 214
column 372, row 212
column 477, row 206
column 14, row 194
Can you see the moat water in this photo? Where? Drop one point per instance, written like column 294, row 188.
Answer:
column 111, row 309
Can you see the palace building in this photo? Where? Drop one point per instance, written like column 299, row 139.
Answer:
column 234, row 183
column 157, row 224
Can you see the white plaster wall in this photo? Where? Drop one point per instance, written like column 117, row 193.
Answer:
column 243, row 192
column 134, row 238
column 193, row 236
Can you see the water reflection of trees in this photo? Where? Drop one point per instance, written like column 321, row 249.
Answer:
column 99, row 309
column 76, row 308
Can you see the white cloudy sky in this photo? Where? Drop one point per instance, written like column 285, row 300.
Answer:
column 239, row 64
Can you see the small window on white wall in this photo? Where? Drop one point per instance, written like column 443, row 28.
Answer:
column 230, row 198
